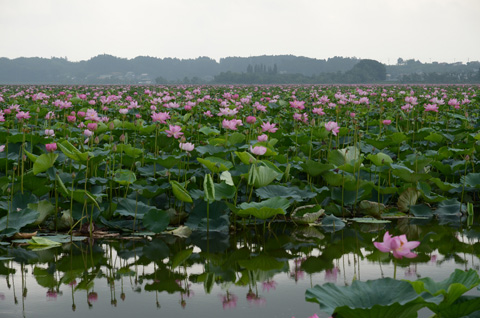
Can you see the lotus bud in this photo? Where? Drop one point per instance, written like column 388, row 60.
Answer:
column 122, row 138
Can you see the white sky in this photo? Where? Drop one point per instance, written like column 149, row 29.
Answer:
column 428, row 30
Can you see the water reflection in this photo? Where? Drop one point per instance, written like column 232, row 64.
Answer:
column 248, row 273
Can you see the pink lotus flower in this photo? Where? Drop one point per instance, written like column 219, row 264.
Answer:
column 174, row 131
column 386, row 122
column 71, row 118
column 297, row 104
column 231, row 124
column 87, row 133
column 318, row 111
column 267, row 127
column 188, row 146
column 431, row 108
column 2, row 148
column 399, row 245
column 49, row 132
column 333, row 127
column 251, row 119
column 161, row 117
column 123, row 111
column 23, row 115
column 262, row 138
column 92, row 126
column 258, row 150
column 51, row 147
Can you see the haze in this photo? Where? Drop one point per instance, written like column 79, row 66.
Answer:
column 427, row 30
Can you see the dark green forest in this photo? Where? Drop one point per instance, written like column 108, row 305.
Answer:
column 266, row 69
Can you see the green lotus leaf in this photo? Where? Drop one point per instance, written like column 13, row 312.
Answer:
column 314, row 168
column 236, row 138
column 284, row 192
column 209, row 131
column 209, row 188
column 332, row 223
column 373, row 298
column 371, row 208
column 180, row 192
column 307, row 214
column 264, row 209
column 407, row 198
column 421, row 210
column 380, row 159
column 124, row 177
column 227, row 177
column 224, row 191
column 215, row 164
column 471, row 180
column 132, row 208
column 246, row 157
column 451, row 288
column 156, row 220
column 448, row 207
column 18, row 220
column 41, row 241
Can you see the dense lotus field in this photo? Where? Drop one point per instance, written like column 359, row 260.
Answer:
column 133, row 158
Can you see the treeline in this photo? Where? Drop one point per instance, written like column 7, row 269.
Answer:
column 365, row 71
column 107, row 69
column 441, row 78
column 266, row 69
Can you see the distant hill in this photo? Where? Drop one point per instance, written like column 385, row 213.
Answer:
column 108, row 69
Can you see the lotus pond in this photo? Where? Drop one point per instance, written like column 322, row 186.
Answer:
column 278, row 273
column 212, row 163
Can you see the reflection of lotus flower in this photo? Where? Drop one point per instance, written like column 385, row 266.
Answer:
column 51, row 294
column 229, row 301
column 269, row 285
column 255, row 299
column 92, row 297
column 331, row 274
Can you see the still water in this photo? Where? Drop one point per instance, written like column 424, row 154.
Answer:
column 251, row 273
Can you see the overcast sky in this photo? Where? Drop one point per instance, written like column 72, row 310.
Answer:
column 427, row 30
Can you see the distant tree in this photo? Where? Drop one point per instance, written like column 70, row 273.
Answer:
column 367, row 71
column 161, row 80
column 249, row 68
